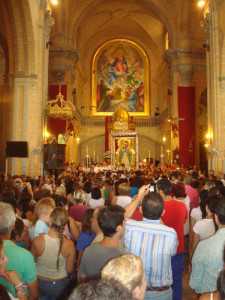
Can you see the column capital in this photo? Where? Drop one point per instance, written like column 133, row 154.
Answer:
column 173, row 54
column 65, row 52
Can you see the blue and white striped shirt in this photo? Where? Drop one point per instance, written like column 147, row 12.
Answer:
column 154, row 243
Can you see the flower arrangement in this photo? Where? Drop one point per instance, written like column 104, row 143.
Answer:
column 107, row 155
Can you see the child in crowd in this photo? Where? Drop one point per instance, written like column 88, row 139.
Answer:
column 41, row 216
column 86, row 235
column 19, row 235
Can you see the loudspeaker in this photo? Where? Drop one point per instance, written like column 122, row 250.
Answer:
column 16, row 149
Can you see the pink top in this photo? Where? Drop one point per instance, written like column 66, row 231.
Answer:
column 193, row 195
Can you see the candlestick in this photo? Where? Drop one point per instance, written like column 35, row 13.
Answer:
column 87, row 149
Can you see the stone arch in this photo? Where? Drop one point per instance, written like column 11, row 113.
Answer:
column 17, row 20
column 162, row 12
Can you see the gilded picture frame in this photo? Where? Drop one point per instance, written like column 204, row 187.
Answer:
column 120, row 76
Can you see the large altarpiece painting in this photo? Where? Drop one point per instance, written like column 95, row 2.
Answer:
column 120, row 77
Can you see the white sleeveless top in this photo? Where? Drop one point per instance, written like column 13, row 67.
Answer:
column 46, row 263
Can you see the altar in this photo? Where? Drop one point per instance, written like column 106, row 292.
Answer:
column 123, row 140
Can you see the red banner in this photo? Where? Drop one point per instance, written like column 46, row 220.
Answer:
column 186, row 110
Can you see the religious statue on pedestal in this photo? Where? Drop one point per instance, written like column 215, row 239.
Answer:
column 125, row 154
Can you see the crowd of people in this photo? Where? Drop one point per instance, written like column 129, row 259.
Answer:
column 122, row 234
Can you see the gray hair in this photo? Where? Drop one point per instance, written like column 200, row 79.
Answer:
column 7, row 218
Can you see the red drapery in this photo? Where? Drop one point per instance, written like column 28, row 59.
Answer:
column 186, row 110
column 56, row 126
column 107, row 119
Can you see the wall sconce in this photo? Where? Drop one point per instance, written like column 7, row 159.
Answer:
column 164, row 139
column 78, row 140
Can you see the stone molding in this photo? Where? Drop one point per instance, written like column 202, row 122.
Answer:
column 65, row 52
column 178, row 53
column 23, row 75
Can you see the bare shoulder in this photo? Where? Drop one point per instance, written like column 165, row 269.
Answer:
column 38, row 240
column 207, row 296
column 67, row 248
column 38, row 245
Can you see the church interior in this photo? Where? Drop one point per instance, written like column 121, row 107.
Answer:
column 156, row 68
column 123, row 83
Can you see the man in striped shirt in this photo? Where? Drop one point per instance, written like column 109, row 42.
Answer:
column 153, row 242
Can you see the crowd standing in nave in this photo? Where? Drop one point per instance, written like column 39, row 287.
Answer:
column 90, row 231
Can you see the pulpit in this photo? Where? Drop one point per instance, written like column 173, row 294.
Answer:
column 54, row 158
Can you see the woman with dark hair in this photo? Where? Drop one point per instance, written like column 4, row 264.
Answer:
column 198, row 213
column 87, row 188
column 204, row 228
column 96, row 199
column 179, row 194
column 86, row 235
column 136, row 183
column 54, row 255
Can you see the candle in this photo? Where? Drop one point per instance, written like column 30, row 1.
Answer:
column 149, row 156
column 161, row 149
column 94, row 155
column 97, row 158
column 87, row 149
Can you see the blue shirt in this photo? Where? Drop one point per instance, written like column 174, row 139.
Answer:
column 207, row 262
column 40, row 227
column 154, row 243
column 84, row 240
column 134, row 191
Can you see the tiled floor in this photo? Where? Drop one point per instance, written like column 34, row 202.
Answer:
column 188, row 293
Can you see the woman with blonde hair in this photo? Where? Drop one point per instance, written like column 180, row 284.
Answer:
column 124, row 195
column 128, row 270
column 55, row 257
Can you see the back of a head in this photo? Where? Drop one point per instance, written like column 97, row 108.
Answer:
column 220, row 211
column 204, row 195
column 96, row 193
column 42, row 207
column 59, row 218
column 126, row 269
column 187, row 180
column 124, row 189
column 152, row 206
column 79, row 196
column 109, row 218
column 165, row 186
column 101, row 290
column 174, row 174
column 179, row 190
column 209, row 184
column 61, row 191
column 7, row 218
